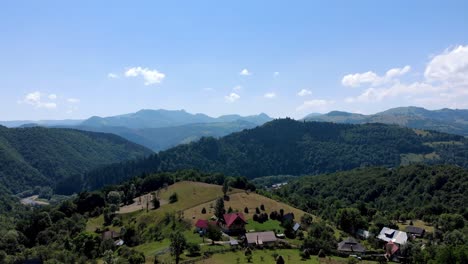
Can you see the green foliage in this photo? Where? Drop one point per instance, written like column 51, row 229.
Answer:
column 219, row 208
column 193, row 249
column 173, row 198
column 421, row 190
column 57, row 157
column 286, row 146
column 178, row 245
column 213, row 233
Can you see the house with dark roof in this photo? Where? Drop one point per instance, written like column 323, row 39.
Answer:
column 260, row 238
column 233, row 223
column 415, row 231
column 351, row 246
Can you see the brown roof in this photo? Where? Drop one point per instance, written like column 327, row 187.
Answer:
column 110, row 235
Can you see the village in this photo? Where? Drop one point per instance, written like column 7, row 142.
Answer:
column 214, row 230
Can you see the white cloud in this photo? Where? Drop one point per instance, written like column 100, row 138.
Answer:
column 73, row 100
column 316, row 105
column 304, row 92
column 112, row 76
column 276, row 74
column 245, row 72
column 150, row 76
column 356, row 79
column 35, row 99
column 232, row 97
column 445, row 84
column 450, row 67
column 270, row 95
column 52, row 96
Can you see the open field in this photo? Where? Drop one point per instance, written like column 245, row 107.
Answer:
column 417, row 223
column 266, row 256
column 240, row 200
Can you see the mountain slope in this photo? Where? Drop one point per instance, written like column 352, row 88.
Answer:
column 46, row 156
column 165, row 118
column 443, row 120
column 162, row 138
column 421, row 189
column 286, row 146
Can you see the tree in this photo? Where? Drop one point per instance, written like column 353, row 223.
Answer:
column 219, row 209
column 280, row 260
column 203, row 211
column 262, row 207
column 156, row 203
column 193, row 249
column 173, row 198
column 213, row 233
column 114, row 197
column 178, row 245
column 225, row 187
column 246, row 210
column 306, row 219
column 349, row 220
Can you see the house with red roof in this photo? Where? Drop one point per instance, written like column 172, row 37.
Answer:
column 233, row 223
column 202, row 225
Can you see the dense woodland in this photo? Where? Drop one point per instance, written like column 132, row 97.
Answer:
column 286, row 146
column 371, row 198
column 46, row 156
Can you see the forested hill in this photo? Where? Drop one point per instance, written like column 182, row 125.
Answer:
column 286, row 146
column 454, row 121
column 45, row 156
column 420, row 190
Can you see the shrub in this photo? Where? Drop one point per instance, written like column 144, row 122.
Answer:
column 246, row 210
column 203, row 211
column 173, row 198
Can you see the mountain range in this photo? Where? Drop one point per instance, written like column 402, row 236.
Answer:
column 287, row 146
column 454, row 121
column 157, row 129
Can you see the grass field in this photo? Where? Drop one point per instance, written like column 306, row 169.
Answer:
column 266, row 256
column 417, row 223
column 240, row 200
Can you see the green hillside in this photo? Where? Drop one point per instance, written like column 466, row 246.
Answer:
column 421, row 190
column 286, row 146
column 44, row 156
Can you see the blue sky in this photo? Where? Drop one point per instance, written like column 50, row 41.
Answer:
column 286, row 58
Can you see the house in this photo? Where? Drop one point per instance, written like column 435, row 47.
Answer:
column 392, row 235
column 350, row 245
column 415, row 231
column 233, row 223
column 110, row 235
column 202, row 225
column 391, row 250
column 364, row 234
column 260, row 238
